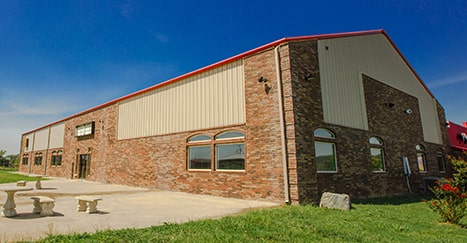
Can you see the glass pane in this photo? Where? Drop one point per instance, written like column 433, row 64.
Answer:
column 377, row 159
column 325, row 156
column 375, row 140
column 199, row 157
column 198, row 138
column 323, row 133
column 441, row 164
column 230, row 135
column 421, row 162
column 59, row 160
column 230, row 157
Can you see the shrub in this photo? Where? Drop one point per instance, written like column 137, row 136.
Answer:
column 450, row 194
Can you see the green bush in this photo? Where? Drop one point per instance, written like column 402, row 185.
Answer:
column 450, row 194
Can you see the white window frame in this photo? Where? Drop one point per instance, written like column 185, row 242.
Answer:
column 377, row 143
column 325, row 136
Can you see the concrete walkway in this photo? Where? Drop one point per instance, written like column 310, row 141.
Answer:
column 121, row 207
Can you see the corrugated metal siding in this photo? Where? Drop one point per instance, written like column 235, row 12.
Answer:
column 341, row 62
column 57, row 134
column 210, row 99
column 41, row 139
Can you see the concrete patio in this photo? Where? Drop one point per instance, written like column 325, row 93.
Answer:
column 121, row 207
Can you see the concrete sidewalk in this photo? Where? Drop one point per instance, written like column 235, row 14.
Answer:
column 121, row 207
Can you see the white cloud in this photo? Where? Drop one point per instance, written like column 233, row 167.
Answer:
column 460, row 78
column 27, row 104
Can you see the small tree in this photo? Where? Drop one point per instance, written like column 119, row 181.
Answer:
column 450, row 194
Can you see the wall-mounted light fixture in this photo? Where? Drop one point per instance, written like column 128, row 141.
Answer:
column 262, row 79
column 309, row 77
column 389, row 105
column 408, row 111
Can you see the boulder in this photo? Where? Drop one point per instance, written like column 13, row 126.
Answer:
column 335, row 200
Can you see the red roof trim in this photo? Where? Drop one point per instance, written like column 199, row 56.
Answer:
column 407, row 63
column 237, row 57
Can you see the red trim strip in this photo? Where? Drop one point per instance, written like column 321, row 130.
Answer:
column 237, row 57
column 407, row 63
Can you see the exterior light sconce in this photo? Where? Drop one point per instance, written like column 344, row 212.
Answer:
column 389, row 105
column 309, row 77
column 262, row 80
column 408, row 111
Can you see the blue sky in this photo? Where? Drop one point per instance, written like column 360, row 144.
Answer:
column 61, row 57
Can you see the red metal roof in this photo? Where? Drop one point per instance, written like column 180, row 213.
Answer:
column 240, row 56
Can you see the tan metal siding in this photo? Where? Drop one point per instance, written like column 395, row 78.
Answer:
column 57, row 133
column 210, row 99
column 41, row 139
column 341, row 63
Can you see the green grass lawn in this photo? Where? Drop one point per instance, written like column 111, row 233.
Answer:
column 387, row 220
column 7, row 177
column 400, row 219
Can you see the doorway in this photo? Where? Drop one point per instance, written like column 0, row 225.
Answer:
column 84, row 165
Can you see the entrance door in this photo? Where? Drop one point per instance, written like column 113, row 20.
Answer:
column 84, row 165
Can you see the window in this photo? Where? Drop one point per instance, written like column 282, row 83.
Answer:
column 25, row 159
column 325, row 151
column 199, row 156
column 421, row 158
column 377, row 154
column 229, row 152
column 441, row 162
column 38, row 159
column 26, row 144
column 85, row 129
column 56, row 158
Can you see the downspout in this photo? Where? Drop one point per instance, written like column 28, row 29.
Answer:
column 32, row 150
column 281, row 118
column 47, row 151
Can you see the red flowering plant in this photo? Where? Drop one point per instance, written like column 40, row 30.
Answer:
column 450, row 196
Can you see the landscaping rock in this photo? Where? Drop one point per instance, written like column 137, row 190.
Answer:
column 335, row 200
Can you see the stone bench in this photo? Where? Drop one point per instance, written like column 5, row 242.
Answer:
column 21, row 183
column 87, row 203
column 43, row 205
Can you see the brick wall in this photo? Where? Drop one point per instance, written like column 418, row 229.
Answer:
column 399, row 131
column 159, row 162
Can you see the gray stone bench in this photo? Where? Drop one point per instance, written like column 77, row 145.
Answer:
column 87, row 203
column 21, row 183
column 43, row 205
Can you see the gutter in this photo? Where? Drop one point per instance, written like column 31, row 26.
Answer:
column 282, row 125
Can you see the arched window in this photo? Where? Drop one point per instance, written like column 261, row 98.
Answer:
column 377, row 154
column 56, row 158
column 25, row 159
column 325, row 150
column 421, row 158
column 199, row 155
column 441, row 161
column 38, row 159
column 228, row 147
column 230, row 151
column 199, row 137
